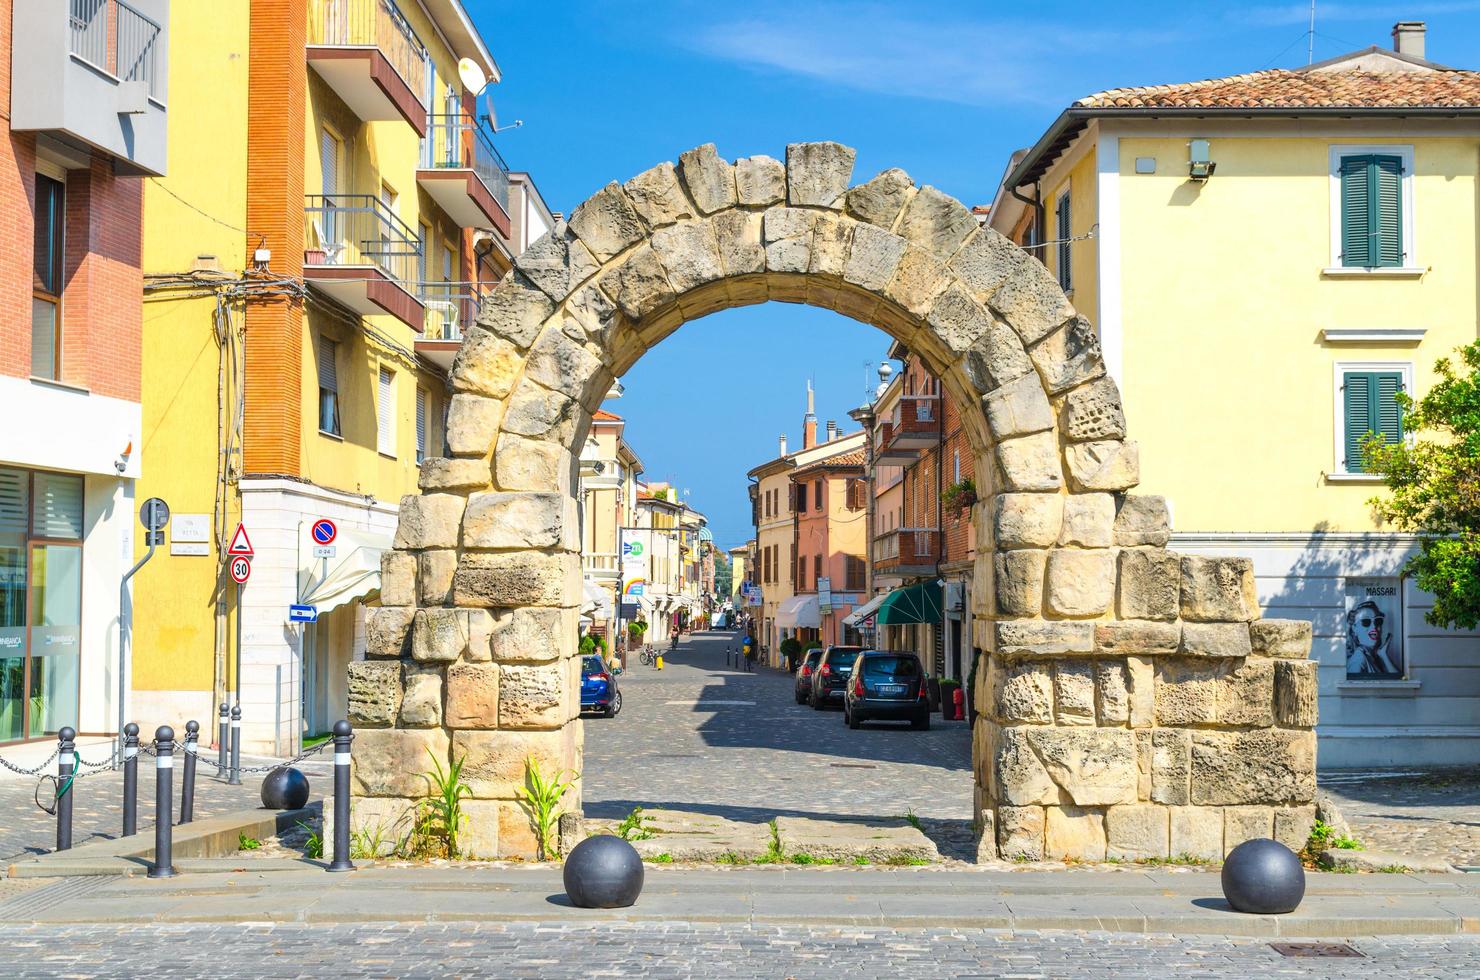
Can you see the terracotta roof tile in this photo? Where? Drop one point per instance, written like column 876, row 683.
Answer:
column 602, row 415
column 856, row 457
column 1282, row 89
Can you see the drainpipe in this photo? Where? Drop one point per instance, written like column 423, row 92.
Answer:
column 1034, row 202
column 125, row 624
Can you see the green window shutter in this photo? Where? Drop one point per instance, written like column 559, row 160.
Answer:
column 1370, row 403
column 1356, row 246
column 1386, row 413
column 1387, row 180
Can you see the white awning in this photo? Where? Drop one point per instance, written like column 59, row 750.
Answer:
column 799, row 612
column 352, row 573
column 596, row 602
column 865, row 611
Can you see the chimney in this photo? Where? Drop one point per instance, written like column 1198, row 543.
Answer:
column 832, row 430
column 783, row 444
column 1408, row 37
column 809, row 422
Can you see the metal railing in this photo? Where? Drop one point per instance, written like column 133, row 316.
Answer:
column 450, row 308
column 599, row 561
column 358, row 229
column 111, row 35
column 455, row 141
column 908, row 545
column 372, row 23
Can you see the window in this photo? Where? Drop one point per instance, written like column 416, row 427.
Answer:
column 385, row 414
column 1063, row 234
column 421, row 424
column 1368, row 403
column 816, row 569
column 816, row 494
column 854, row 573
column 46, row 279
column 856, row 495
column 328, row 387
column 1372, row 207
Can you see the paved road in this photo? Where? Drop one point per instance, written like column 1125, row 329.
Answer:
column 701, row 736
column 683, row 950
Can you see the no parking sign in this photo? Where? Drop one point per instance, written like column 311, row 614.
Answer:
column 324, row 531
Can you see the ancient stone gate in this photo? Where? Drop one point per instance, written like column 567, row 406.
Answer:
column 1133, row 703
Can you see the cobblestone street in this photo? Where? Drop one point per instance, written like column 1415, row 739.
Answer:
column 705, row 737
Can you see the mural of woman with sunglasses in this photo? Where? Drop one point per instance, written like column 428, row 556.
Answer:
column 1370, row 652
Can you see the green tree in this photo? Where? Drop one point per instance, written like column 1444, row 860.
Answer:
column 1434, row 485
column 723, row 573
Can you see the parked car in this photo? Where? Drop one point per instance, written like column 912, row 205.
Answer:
column 802, row 686
column 831, row 676
column 887, row 687
column 599, row 691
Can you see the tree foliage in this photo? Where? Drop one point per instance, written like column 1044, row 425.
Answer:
column 1434, row 488
column 723, row 573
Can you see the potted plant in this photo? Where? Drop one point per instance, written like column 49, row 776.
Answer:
column 791, row 649
column 960, row 495
column 948, row 690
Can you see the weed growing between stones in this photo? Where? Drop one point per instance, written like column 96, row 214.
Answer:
column 1393, row 869
column 664, row 858
column 313, row 847
column 367, row 842
column 541, row 797
column 912, row 819
column 245, row 843
column 631, row 828
column 1324, row 837
column 439, row 817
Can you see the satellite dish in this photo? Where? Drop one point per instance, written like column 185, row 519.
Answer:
column 472, row 76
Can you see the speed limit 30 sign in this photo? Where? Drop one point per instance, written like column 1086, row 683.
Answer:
column 241, row 569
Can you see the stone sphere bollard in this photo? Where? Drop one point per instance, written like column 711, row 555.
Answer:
column 285, row 788
column 1263, row 877
column 603, row 872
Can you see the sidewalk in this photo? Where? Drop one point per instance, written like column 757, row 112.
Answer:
column 1342, row 906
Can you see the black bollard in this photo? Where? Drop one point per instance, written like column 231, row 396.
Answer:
column 164, row 805
column 343, row 736
column 187, row 778
column 66, row 763
column 222, row 738
column 130, row 779
column 235, row 779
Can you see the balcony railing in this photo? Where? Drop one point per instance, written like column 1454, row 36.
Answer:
column 598, row 561
column 372, row 24
column 112, row 36
column 359, row 230
column 915, row 413
column 450, row 308
column 907, row 546
column 455, row 141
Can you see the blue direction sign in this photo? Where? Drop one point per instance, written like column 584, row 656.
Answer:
column 303, row 614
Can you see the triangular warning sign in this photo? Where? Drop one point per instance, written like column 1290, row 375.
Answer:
column 240, row 543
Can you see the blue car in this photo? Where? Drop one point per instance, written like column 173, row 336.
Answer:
column 599, row 687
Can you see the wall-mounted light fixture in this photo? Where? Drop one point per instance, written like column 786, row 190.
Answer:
column 1200, row 165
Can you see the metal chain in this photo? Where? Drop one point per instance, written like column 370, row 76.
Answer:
column 29, row 772
column 270, row 766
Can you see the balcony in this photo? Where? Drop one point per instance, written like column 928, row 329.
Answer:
column 914, row 425
column 464, row 174
column 362, row 256
column 92, row 74
column 600, row 473
column 600, row 565
column 907, row 551
column 368, row 54
column 450, row 308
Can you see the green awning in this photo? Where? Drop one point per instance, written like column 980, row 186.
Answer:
column 911, row 604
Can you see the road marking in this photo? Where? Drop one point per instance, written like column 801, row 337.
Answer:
column 707, row 701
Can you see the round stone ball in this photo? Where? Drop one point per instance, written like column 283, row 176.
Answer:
column 603, row 872
column 285, row 788
column 1263, row 877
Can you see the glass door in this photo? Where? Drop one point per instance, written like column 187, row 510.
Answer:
column 56, row 637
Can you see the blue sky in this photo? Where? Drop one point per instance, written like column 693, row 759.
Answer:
column 945, row 90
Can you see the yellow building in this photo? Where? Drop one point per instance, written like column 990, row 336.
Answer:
column 609, row 472
column 1265, row 260
column 333, row 209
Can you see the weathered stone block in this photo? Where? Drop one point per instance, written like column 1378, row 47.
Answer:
column 480, row 625
column 440, row 473
column 478, row 840
column 472, row 424
column 960, row 321
column 439, row 635
column 434, row 575
column 817, row 174
column 918, row 281
column 1027, row 520
column 557, row 262
column 1196, row 832
column 1241, row 823
column 1030, row 463
column 787, row 235
column 1019, row 581
column 832, row 241
column 1018, row 408
column 1143, row 763
column 1268, row 766
column 1025, row 694
column 487, row 364
column 513, row 520
column 1215, row 639
column 514, row 579
column 1295, row 693
column 397, row 579
column 874, row 258
column 1246, row 695
column 1137, row 832
column 1108, row 465
column 1074, row 693
column 1018, row 773
column 760, row 181
column 656, row 196
column 986, row 261
column 639, row 284
column 1087, row 518
column 528, row 635
column 1141, row 676
column 1288, row 638
column 386, row 631
column 428, row 521
column 1032, row 302
column 607, row 223
column 1094, row 766
column 1186, row 692
column 1112, row 692
column 1143, row 520
column 1069, row 356
column 1138, row 636
column 1080, row 583
column 1026, row 638
column 690, row 253
column 396, row 761
column 531, row 464
column 1092, row 411
column 515, row 311
column 741, row 252
column 880, row 200
column 709, row 177
column 1171, row 766
column 494, row 762
column 1150, row 584
column 1074, row 833
column 531, row 695
column 421, row 706
column 472, row 696
column 374, row 693
column 1293, row 824
column 561, row 364
column 1218, row 589
column 936, row 221
column 996, row 359
column 1020, row 832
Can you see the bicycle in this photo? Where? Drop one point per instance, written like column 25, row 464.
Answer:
column 647, row 658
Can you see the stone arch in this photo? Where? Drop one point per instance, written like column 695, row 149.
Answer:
column 1128, row 699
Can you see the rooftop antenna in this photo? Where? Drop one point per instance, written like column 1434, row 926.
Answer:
column 1310, row 36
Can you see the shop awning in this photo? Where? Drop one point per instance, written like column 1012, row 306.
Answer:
column 865, row 611
column 912, row 604
column 352, row 573
column 595, row 601
column 799, row 612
